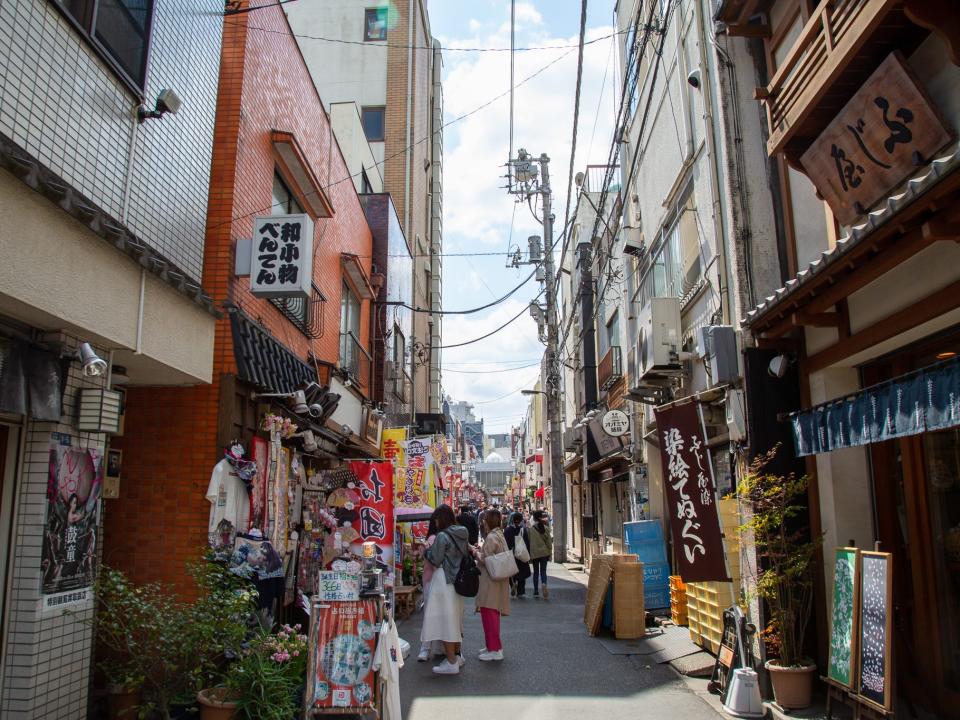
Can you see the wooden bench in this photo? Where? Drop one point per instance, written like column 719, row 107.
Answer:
column 404, row 602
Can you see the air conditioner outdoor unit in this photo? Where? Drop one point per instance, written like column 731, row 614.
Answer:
column 717, row 346
column 634, row 246
column 659, row 341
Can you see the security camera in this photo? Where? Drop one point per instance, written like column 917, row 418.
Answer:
column 167, row 102
column 693, row 79
column 778, row 366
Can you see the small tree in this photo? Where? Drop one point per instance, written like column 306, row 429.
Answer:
column 785, row 554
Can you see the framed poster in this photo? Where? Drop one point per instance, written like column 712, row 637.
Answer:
column 74, row 480
column 343, row 639
column 843, row 624
column 875, row 641
column 260, row 452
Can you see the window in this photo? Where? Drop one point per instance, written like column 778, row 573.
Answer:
column 613, row 330
column 118, row 29
column 349, row 327
column 375, row 24
column 675, row 267
column 283, row 200
column 399, row 347
column 372, row 119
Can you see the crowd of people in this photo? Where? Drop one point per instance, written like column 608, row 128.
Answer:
column 478, row 537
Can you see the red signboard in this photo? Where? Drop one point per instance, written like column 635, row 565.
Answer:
column 375, row 512
column 343, row 637
column 691, row 494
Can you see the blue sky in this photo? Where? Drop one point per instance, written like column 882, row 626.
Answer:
column 481, row 217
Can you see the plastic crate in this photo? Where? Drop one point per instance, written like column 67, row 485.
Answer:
column 677, row 583
column 679, row 617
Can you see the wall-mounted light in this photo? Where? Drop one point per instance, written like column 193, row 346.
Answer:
column 167, row 102
column 92, row 364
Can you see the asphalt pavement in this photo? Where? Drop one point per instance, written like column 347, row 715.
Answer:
column 552, row 669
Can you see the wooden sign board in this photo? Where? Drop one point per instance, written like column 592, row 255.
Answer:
column 844, row 626
column 872, row 145
column 875, row 642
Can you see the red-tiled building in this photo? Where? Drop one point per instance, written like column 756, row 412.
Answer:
column 274, row 153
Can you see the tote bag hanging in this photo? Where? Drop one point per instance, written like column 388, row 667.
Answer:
column 501, row 566
column 520, row 551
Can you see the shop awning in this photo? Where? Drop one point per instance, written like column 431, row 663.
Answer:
column 262, row 360
column 920, row 401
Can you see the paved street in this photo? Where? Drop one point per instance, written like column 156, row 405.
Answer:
column 552, row 669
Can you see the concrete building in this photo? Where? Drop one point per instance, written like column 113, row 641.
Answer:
column 103, row 243
column 390, row 68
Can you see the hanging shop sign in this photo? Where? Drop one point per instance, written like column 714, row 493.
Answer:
column 615, row 423
column 875, row 142
column 375, row 521
column 69, row 555
column 281, row 259
column 691, row 493
column 372, row 426
column 411, row 489
column 600, row 443
column 343, row 639
column 392, row 444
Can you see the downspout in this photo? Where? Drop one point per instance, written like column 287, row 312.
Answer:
column 406, row 174
column 719, row 218
column 124, row 215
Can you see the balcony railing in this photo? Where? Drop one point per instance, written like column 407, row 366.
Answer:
column 804, row 94
column 354, row 360
column 596, row 174
column 610, row 369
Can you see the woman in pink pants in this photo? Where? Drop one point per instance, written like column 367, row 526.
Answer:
column 493, row 600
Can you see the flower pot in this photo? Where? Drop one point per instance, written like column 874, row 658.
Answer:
column 792, row 686
column 122, row 701
column 215, row 704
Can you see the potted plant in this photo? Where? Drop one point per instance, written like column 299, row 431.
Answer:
column 266, row 682
column 785, row 576
column 123, row 688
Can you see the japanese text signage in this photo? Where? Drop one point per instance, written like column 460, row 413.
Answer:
column 281, row 262
column 375, row 510
column 691, row 494
column 338, row 586
column 615, row 423
column 875, row 142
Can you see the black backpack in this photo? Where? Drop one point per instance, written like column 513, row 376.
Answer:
column 467, row 581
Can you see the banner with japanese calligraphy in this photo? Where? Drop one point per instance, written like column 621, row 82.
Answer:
column 74, row 480
column 411, row 490
column 392, row 441
column 375, row 511
column 343, row 638
column 691, row 494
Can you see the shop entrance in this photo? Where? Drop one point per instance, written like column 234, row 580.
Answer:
column 916, row 485
column 9, row 441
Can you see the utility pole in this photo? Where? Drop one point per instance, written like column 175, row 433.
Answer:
column 524, row 174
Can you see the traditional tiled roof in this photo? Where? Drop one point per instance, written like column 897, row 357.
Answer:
column 262, row 360
column 912, row 190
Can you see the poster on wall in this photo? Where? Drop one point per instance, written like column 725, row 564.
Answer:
column 343, row 638
column 375, row 511
column 74, row 481
column 691, row 493
column 260, row 452
column 843, row 625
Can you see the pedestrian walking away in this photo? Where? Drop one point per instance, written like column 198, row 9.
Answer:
column 517, row 530
column 426, row 647
column 493, row 600
column 467, row 519
column 443, row 618
column 541, row 547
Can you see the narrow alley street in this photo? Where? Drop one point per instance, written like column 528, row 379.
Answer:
column 552, row 670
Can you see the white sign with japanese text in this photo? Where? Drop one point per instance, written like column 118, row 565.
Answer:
column 615, row 423
column 281, row 256
column 338, row 587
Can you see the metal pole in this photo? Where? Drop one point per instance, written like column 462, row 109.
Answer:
column 553, row 379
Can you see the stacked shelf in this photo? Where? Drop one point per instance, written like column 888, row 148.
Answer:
column 678, row 600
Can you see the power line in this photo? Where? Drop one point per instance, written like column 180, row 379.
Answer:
column 399, row 46
column 412, row 145
column 493, row 332
column 504, row 397
column 470, row 311
column 491, row 362
column 488, row 372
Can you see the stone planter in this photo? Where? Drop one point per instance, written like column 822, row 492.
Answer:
column 792, row 686
column 215, row 704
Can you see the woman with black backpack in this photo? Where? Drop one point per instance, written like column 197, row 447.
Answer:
column 443, row 618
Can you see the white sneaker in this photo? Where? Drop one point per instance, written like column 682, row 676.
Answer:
column 483, row 651
column 424, row 655
column 492, row 655
column 460, row 661
column 447, row 668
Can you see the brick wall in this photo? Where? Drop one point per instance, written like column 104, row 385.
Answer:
column 170, row 442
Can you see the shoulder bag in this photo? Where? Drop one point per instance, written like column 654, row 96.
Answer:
column 520, row 551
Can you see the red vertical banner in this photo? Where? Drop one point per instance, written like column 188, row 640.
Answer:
column 691, row 493
column 376, row 522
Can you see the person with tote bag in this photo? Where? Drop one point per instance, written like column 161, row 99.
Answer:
column 541, row 547
column 518, row 540
column 443, row 617
column 493, row 600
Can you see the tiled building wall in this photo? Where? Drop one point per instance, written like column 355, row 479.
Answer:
column 65, row 106
column 170, row 443
column 46, row 669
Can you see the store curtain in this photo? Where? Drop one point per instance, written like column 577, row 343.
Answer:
column 31, row 381
column 920, row 401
